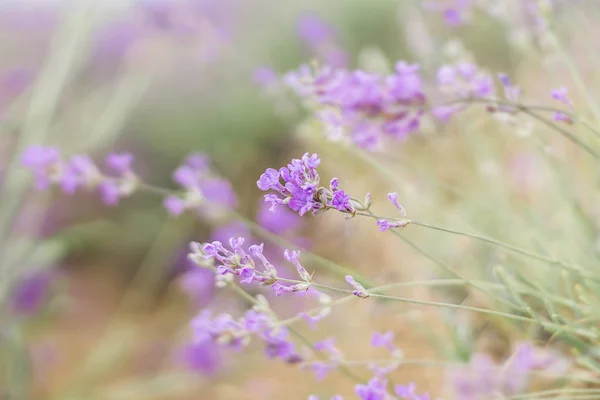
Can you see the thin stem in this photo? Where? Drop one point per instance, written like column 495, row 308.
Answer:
column 528, row 110
column 489, row 240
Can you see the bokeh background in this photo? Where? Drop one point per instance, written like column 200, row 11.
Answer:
column 103, row 295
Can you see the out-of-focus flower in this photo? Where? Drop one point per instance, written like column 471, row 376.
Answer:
column 30, row 293
column 80, row 172
column 385, row 224
column 483, row 378
column 201, row 356
column 464, row 80
column 223, row 329
column 203, row 191
column 361, row 106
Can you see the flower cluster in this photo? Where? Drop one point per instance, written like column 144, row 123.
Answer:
column 483, row 378
column 237, row 262
column 80, row 171
column 203, row 191
column 464, row 80
column 364, row 106
column 223, row 329
column 561, row 95
column 297, row 186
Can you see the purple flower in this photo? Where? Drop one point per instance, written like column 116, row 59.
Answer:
column 201, row 356
column 383, row 340
column 562, row 117
column 79, row 171
column 341, row 201
column 110, row 193
column 363, row 106
column 45, row 163
column 385, row 224
column 406, row 83
column 219, row 192
column 297, row 186
column 561, row 94
column 204, row 192
column 393, row 198
column 359, row 290
column 374, row 390
column 408, row 392
column 174, row 205
column 464, row 80
column 270, row 179
column 30, row 293
column 119, row 162
column 320, row 369
column 279, row 345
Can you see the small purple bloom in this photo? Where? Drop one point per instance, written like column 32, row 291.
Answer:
column 174, row 205
column 359, row 290
column 202, row 356
column 385, row 224
column 561, row 94
column 393, row 198
column 109, row 192
column 119, row 162
column 30, row 293
column 320, row 369
column 375, row 389
column 383, row 340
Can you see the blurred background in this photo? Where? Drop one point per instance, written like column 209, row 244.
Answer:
column 97, row 299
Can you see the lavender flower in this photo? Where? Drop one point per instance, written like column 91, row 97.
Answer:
column 363, row 106
column 201, row 356
column 383, row 340
column 408, row 392
column 375, row 389
column 225, row 330
column 385, row 224
column 237, row 262
column 80, row 171
column 483, row 378
column 359, row 290
column 297, row 186
column 464, row 80
column 31, row 292
column 561, row 94
column 393, row 198
column 203, row 192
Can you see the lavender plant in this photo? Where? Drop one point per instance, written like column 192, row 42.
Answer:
column 531, row 276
